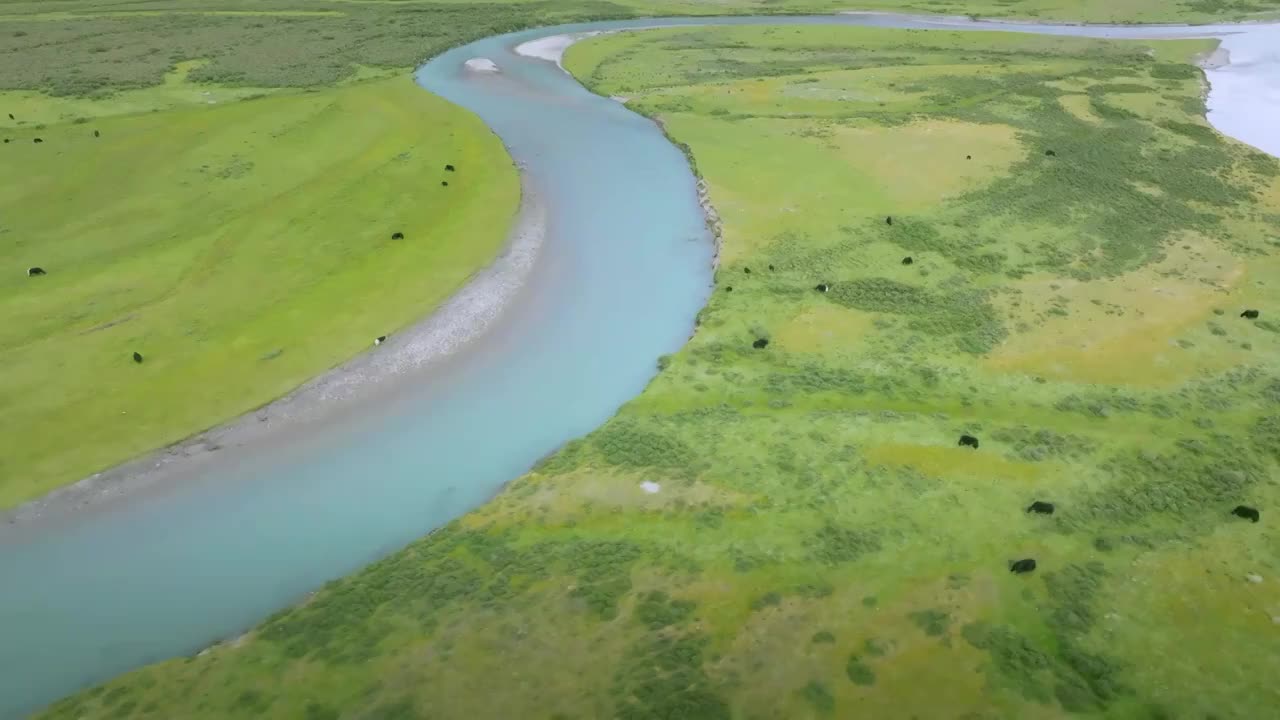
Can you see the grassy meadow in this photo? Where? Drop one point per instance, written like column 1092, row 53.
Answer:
column 819, row 546
column 242, row 247
column 88, row 48
column 232, row 220
column 171, row 69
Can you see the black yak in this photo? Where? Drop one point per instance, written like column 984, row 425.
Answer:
column 1246, row 512
column 1022, row 566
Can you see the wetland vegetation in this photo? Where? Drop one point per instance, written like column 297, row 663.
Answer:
column 819, row 545
column 81, row 61
column 241, row 247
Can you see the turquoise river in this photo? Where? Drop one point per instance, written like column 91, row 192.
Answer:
column 625, row 267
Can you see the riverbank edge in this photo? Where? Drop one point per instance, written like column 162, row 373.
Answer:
column 1259, row 19
column 463, row 315
column 552, row 49
column 442, row 333
column 237, row 639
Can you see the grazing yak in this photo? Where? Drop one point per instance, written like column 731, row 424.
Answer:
column 397, row 236
column 444, row 183
column 822, row 287
column 969, row 441
column 760, row 343
column 1246, row 512
column 1251, row 314
column 1022, row 566
column 448, row 168
column 907, row 260
column 37, row 141
column 1050, row 153
column 380, row 339
column 97, row 134
column 137, row 357
column 34, row 271
column 888, row 220
column 1044, row 508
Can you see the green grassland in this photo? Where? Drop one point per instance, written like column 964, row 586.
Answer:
column 820, row 546
column 92, row 48
column 73, row 62
column 241, row 247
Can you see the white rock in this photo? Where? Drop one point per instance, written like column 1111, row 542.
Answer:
column 1253, row 578
column 481, row 65
column 650, row 487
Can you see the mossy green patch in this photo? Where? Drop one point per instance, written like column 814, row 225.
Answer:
column 823, row 636
column 665, row 678
column 859, row 672
column 817, row 695
column 934, row 623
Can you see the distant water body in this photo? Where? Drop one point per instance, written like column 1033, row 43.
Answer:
column 624, row 269
column 1244, row 96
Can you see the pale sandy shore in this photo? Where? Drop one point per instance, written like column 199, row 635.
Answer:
column 444, row 333
column 552, row 48
column 1215, row 60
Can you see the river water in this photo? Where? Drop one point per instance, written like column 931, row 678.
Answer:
column 625, row 267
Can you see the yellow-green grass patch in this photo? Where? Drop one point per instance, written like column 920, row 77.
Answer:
column 1126, row 329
